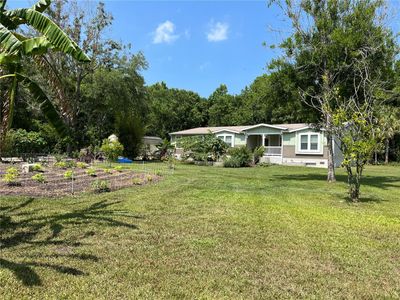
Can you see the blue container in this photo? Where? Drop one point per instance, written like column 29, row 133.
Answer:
column 124, row 160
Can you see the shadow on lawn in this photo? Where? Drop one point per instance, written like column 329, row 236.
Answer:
column 381, row 182
column 28, row 232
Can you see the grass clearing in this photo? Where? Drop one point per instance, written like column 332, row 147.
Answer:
column 206, row 232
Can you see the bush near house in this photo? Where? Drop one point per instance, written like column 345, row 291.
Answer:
column 238, row 157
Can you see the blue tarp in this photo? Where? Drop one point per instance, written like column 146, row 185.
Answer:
column 124, row 160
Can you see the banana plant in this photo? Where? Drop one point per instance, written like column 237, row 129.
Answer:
column 15, row 47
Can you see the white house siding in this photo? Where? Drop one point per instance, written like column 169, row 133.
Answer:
column 290, row 155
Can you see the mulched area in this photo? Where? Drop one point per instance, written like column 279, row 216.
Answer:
column 57, row 185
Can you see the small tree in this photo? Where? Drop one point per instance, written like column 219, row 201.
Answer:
column 357, row 136
column 112, row 149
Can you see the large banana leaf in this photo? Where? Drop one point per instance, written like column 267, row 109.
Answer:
column 58, row 38
column 41, row 5
column 47, row 108
column 35, row 46
column 8, row 42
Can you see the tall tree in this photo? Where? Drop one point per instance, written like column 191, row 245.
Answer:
column 16, row 49
column 329, row 38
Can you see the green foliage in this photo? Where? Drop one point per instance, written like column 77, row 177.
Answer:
column 118, row 168
column 11, row 176
column 61, row 164
column 91, row 172
column 82, row 165
column 238, row 157
column 108, row 170
column 149, row 178
column 37, row 168
column 137, row 181
column 204, row 148
column 69, row 175
column 101, row 186
column 112, row 149
column 24, row 143
column 358, row 139
column 174, row 109
column 257, row 153
column 39, row 178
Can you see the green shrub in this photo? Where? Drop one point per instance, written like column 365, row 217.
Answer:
column 118, row 168
column 11, row 176
column 137, row 181
column 158, row 172
column 239, row 157
column 257, row 153
column 81, row 165
column 91, row 172
column 101, row 186
column 24, row 143
column 107, row 170
column 61, row 164
column 112, row 149
column 232, row 162
column 39, row 178
column 37, row 168
column 69, row 175
column 71, row 164
column 149, row 178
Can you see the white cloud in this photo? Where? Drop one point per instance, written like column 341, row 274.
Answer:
column 165, row 33
column 218, row 32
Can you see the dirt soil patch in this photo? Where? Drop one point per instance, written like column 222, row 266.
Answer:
column 56, row 185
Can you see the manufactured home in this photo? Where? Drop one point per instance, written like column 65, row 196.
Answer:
column 289, row 144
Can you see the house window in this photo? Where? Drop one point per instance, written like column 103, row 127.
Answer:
column 309, row 143
column 227, row 138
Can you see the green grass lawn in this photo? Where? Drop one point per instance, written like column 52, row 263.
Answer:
column 206, row 232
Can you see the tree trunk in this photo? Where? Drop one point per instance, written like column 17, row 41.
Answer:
column 331, row 164
column 375, row 157
column 386, row 151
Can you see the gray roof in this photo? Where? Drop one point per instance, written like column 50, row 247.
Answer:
column 238, row 129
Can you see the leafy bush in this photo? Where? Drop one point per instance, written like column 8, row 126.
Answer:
column 69, row 175
column 137, row 181
column 81, row 165
column 39, row 178
column 37, row 168
column 112, row 149
column 149, row 178
column 101, row 186
column 232, row 162
column 239, row 157
column 70, row 164
column 257, row 153
column 24, row 143
column 118, row 168
column 203, row 148
column 11, row 176
column 61, row 164
column 91, row 172
column 158, row 173
column 107, row 170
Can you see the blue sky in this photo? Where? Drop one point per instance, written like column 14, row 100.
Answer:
column 198, row 45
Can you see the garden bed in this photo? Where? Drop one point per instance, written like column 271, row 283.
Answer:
column 56, row 185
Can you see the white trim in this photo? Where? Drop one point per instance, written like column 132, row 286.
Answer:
column 298, row 129
column 319, row 151
column 224, row 138
column 228, row 130
column 264, row 125
column 306, row 127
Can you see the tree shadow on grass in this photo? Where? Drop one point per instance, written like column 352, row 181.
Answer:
column 26, row 229
column 382, row 182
